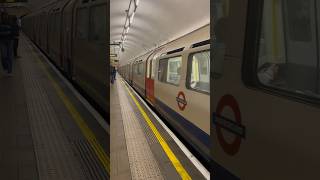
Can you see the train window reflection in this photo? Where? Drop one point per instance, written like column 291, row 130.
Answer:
column 299, row 19
column 140, row 69
column 289, row 47
column 98, row 19
column 169, row 70
column 199, row 75
column 220, row 36
column 82, row 23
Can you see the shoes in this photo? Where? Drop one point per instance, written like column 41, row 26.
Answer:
column 7, row 74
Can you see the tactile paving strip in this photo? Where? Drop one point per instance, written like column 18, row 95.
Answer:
column 55, row 157
column 94, row 169
column 142, row 162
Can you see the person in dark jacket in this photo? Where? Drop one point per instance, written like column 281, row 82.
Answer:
column 6, row 42
column 111, row 74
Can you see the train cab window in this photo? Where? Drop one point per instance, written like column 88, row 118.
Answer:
column 98, row 26
column 169, row 70
column 289, row 58
column 199, row 71
column 82, row 29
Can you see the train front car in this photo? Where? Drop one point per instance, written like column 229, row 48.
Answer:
column 174, row 79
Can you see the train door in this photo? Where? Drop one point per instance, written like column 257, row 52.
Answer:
column 196, row 95
column 150, row 79
column 170, row 82
column 147, row 78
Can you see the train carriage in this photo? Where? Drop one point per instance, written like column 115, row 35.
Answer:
column 266, row 99
column 174, row 79
column 72, row 33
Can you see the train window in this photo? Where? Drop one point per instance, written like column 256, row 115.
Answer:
column 82, row 23
column 220, row 36
column 169, row 70
column 289, row 47
column 299, row 20
column 140, row 69
column 199, row 71
column 153, row 68
column 98, row 27
column 135, row 69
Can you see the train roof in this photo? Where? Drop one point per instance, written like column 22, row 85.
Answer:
column 193, row 39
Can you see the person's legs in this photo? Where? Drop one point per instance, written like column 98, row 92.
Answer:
column 112, row 76
column 3, row 47
column 112, row 79
column 15, row 46
column 10, row 56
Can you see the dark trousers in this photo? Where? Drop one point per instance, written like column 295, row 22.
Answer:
column 6, row 47
column 113, row 77
column 15, row 46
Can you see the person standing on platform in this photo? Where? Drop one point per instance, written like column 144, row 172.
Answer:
column 113, row 73
column 6, row 43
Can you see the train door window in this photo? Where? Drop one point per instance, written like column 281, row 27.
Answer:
column 289, row 47
column 140, row 69
column 153, row 68
column 82, row 29
column 162, row 71
column 169, row 70
column 199, row 71
column 135, row 68
column 148, row 74
column 98, row 23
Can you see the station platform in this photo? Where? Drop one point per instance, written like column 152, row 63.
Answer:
column 48, row 131
column 142, row 146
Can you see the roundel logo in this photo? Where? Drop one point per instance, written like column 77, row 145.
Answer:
column 181, row 100
column 234, row 126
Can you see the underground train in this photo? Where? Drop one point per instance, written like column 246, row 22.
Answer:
column 174, row 79
column 72, row 33
column 266, row 89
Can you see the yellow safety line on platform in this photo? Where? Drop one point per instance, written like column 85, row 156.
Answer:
column 76, row 116
column 174, row 160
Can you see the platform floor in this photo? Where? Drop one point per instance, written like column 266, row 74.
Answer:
column 46, row 131
column 141, row 147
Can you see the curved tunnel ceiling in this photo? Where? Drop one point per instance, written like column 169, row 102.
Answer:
column 22, row 8
column 155, row 22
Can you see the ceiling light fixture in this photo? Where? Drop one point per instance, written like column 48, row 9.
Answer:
column 137, row 2
column 129, row 20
